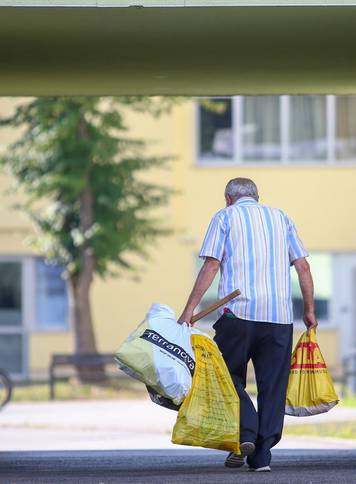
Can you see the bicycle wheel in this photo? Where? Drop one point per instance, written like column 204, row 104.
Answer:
column 5, row 388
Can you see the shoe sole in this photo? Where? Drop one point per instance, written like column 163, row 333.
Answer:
column 261, row 469
column 246, row 449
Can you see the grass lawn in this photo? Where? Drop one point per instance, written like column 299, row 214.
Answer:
column 120, row 388
column 349, row 401
column 73, row 390
column 341, row 430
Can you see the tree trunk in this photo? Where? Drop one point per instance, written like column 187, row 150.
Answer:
column 81, row 309
column 80, row 283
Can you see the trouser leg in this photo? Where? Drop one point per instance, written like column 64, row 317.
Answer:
column 234, row 339
column 271, row 360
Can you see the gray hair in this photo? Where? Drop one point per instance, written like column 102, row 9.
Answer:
column 241, row 187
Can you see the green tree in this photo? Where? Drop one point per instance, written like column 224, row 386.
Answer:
column 80, row 170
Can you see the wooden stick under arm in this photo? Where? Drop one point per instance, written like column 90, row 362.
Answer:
column 216, row 305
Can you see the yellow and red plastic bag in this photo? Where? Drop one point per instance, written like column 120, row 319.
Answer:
column 210, row 414
column 310, row 388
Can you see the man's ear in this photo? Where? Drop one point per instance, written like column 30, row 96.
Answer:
column 229, row 200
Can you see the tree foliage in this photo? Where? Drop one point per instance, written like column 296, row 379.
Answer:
column 72, row 148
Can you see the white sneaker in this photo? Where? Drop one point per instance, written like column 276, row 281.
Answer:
column 260, row 469
column 238, row 460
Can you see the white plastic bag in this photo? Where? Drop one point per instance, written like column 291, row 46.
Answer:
column 159, row 353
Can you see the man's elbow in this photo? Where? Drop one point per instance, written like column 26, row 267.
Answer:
column 212, row 264
column 302, row 266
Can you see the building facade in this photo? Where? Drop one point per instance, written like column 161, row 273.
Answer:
column 301, row 152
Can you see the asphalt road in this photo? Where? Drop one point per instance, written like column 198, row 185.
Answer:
column 172, row 466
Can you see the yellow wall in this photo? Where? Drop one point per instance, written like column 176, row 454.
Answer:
column 41, row 346
column 313, row 196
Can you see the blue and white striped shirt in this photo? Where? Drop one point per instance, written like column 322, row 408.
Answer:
column 256, row 245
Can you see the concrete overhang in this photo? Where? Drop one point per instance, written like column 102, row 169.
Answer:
column 177, row 47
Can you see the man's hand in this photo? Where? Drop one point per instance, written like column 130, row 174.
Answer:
column 205, row 278
column 185, row 317
column 310, row 321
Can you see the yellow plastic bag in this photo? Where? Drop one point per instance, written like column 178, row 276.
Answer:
column 209, row 415
column 310, row 388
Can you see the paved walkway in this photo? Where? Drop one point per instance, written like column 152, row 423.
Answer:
column 188, row 466
column 121, row 424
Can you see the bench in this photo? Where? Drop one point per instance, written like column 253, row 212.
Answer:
column 84, row 360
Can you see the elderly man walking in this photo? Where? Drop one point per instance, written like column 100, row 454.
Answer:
column 254, row 246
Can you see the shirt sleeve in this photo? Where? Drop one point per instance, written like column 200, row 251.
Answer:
column 296, row 247
column 214, row 242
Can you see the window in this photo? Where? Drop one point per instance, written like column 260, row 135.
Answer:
column 51, row 309
column 11, row 353
column 346, row 127
column 11, row 317
column 321, row 267
column 261, row 139
column 216, row 129
column 10, row 294
column 277, row 129
column 307, row 128
column 33, row 296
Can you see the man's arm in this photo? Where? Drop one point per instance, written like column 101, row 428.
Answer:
column 307, row 287
column 205, row 278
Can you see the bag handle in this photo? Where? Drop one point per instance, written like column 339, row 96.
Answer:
column 214, row 306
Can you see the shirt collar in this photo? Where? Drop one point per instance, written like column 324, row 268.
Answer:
column 245, row 200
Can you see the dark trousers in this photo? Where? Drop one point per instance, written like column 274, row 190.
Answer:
column 269, row 346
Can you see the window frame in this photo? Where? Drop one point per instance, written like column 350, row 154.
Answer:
column 28, row 312
column 237, row 119
column 23, row 329
column 31, row 288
